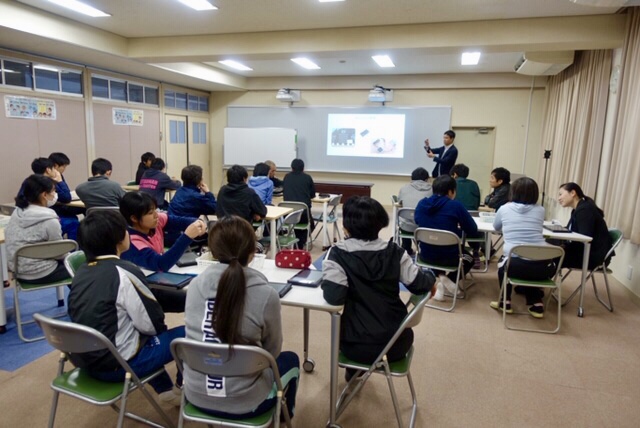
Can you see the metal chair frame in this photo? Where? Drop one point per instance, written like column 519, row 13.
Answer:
column 217, row 359
column 73, row 261
column 407, row 214
column 534, row 253
column 93, row 209
column 332, row 219
column 382, row 366
column 40, row 251
column 301, row 226
column 442, row 238
column 69, row 337
column 288, row 223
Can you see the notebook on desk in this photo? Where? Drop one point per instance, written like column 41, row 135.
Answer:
column 281, row 288
column 307, row 278
column 556, row 228
column 170, row 279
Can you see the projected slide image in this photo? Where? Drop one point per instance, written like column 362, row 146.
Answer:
column 366, row 135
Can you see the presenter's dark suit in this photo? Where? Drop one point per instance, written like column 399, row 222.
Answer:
column 446, row 162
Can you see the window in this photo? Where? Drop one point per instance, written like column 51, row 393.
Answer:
column 193, row 102
column 151, row 95
column 47, row 78
column 199, row 133
column 17, row 74
column 181, row 101
column 203, row 104
column 71, row 82
column 118, row 90
column 100, row 87
column 136, row 93
column 170, row 99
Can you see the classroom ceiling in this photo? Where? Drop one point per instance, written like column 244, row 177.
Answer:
column 165, row 40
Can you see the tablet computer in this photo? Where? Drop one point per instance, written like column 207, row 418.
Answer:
column 281, row 288
column 556, row 228
column 187, row 259
column 170, row 279
column 307, row 278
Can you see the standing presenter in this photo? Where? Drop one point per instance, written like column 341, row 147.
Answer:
column 444, row 157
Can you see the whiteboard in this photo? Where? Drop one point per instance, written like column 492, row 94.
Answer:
column 249, row 146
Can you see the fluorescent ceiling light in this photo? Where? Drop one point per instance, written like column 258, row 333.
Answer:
column 198, row 4
column 306, row 63
column 236, row 65
column 470, row 58
column 77, row 6
column 383, row 61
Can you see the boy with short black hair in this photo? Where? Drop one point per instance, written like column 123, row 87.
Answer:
column 99, row 190
column 299, row 187
column 193, row 199
column 145, row 164
column 500, row 183
column 236, row 198
column 156, row 182
column 468, row 192
column 112, row 296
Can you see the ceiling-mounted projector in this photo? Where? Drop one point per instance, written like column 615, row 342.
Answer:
column 380, row 94
column 287, row 95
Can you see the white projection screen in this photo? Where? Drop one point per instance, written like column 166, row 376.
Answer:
column 360, row 140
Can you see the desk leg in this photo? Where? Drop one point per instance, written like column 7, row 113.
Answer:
column 274, row 239
column 583, row 281
column 307, row 364
column 394, row 223
column 326, row 243
column 335, row 347
column 4, row 276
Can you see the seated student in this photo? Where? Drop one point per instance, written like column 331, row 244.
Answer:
column 146, row 229
column 193, row 199
column 261, row 183
column 277, row 183
column 409, row 196
column 520, row 221
column 236, row 198
column 587, row 219
column 499, row 182
column 362, row 272
column 99, row 190
column 442, row 211
column 232, row 303
column 145, row 163
column 47, row 167
column 299, row 187
column 156, row 182
column 33, row 221
column 112, row 296
column 467, row 191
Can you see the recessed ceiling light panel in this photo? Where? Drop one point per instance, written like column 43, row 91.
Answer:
column 80, row 7
column 235, row 65
column 306, row 63
column 383, row 61
column 198, row 4
column 470, row 58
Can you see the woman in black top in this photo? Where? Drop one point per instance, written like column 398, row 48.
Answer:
column 586, row 219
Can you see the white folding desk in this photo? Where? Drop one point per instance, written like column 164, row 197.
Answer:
column 485, row 224
column 326, row 240
column 308, row 299
column 274, row 213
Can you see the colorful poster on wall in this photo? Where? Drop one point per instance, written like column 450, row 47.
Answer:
column 29, row 108
column 127, row 117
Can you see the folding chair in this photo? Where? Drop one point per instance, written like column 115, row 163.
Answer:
column 73, row 261
column 482, row 240
column 332, row 219
column 382, row 366
column 301, row 226
column 71, row 338
column 534, row 253
column 616, row 238
column 288, row 239
column 93, row 209
column 441, row 238
column 405, row 215
column 41, row 251
column 216, row 359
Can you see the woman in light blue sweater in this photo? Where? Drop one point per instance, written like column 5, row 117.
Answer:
column 520, row 221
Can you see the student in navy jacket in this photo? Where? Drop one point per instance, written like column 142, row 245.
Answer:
column 193, row 199
column 156, row 182
column 444, row 157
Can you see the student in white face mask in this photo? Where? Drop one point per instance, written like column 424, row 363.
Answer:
column 34, row 221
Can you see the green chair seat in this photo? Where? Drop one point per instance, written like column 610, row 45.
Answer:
column 399, row 367
column 28, row 287
column 192, row 411
column 547, row 283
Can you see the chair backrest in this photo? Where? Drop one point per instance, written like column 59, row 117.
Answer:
column 296, row 206
column 537, row 253
column 334, row 201
column 217, row 359
column 436, row 237
column 93, row 209
column 73, row 261
column 394, row 199
column 43, row 251
column 616, row 238
column 292, row 218
column 7, row 209
column 407, row 214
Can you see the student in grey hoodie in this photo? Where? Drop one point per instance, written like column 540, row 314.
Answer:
column 261, row 183
column 234, row 304
column 32, row 222
column 409, row 196
column 520, row 221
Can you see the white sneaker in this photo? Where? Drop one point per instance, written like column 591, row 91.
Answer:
column 170, row 397
column 449, row 285
column 439, row 296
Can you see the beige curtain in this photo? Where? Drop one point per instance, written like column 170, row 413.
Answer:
column 574, row 118
column 622, row 202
